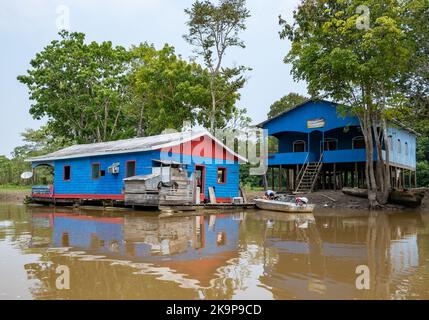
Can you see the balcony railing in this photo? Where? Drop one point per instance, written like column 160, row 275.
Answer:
column 334, row 156
column 42, row 191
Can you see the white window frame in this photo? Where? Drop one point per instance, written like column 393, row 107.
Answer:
column 357, row 138
column 329, row 139
column 299, row 141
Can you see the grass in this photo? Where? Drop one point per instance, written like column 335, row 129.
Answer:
column 12, row 187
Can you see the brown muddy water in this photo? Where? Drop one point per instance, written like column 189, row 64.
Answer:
column 48, row 253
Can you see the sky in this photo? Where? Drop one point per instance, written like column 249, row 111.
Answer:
column 27, row 26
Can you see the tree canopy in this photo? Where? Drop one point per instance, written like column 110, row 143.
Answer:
column 212, row 30
column 285, row 103
column 93, row 92
column 358, row 65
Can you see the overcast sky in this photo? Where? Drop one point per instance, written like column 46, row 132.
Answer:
column 26, row 26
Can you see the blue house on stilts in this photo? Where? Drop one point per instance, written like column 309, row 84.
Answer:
column 96, row 172
column 320, row 148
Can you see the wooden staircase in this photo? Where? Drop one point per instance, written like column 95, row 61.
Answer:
column 308, row 175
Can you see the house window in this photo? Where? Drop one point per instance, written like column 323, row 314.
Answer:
column 95, row 171
column 67, row 173
column 406, row 148
column 130, row 169
column 390, row 140
column 221, row 175
column 299, row 146
column 358, row 143
column 399, row 145
column 330, row 144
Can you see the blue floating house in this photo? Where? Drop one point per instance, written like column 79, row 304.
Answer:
column 318, row 146
column 97, row 171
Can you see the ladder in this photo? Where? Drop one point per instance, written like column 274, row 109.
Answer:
column 308, row 175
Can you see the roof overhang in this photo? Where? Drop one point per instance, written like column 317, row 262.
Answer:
column 186, row 137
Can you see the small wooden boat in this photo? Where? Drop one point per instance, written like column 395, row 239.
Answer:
column 283, row 206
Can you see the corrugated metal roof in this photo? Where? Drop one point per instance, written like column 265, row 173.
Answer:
column 128, row 146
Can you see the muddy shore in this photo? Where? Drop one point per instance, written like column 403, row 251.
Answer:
column 337, row 199
column 322, row 199
column 13, row 196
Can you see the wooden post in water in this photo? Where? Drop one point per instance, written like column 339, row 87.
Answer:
column 280, row 178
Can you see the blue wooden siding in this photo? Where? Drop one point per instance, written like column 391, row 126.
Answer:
column 292, row 126
column 229, row 189
column 296, row 119
column 81, row 181
column 406, row 138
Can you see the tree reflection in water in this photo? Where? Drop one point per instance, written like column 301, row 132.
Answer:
column 259, row 255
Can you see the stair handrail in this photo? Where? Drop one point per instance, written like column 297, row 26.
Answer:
column 319, row 166
column 301, row 172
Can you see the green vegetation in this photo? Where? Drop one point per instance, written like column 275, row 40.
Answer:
column 359, row 61
column 288, row 101
column 213, row 29
column 12, row 187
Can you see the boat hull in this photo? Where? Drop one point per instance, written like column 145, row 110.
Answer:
column 273, row 205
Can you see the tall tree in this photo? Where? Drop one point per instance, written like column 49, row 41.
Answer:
column 285, row 103
column 212, row 30
column 81, row 88
column 415, row 84
column 170, row 91
column 356, row 64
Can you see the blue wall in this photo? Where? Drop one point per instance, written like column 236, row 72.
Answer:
column 296, row 119
column 292, row 126
column 81, row 181
column 403, row 158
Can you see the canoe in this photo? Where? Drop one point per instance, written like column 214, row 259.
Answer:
column 274, row 205
column 408, row 198
column 357, row 192
column 412, row 199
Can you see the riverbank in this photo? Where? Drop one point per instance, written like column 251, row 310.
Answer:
column 14, row 194
column 339, row 200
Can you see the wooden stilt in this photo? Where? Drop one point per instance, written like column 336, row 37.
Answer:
column 409, row 180
column 272, row 178
column 280, row 178
column 335, row 177
column 415, row 178
column 356, row 173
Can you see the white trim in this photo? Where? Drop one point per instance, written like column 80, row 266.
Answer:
column 189, row 136
column 322, row 142
column 356, row 138
column 305, row 145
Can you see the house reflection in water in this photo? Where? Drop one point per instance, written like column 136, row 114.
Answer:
column 174, row 242
column 252, row 255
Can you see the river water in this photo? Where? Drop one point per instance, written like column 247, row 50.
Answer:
column 60, row 253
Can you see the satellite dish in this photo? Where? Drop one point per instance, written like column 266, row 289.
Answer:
column 27, row 175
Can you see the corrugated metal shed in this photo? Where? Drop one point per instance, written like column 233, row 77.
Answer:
column 128, row 146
